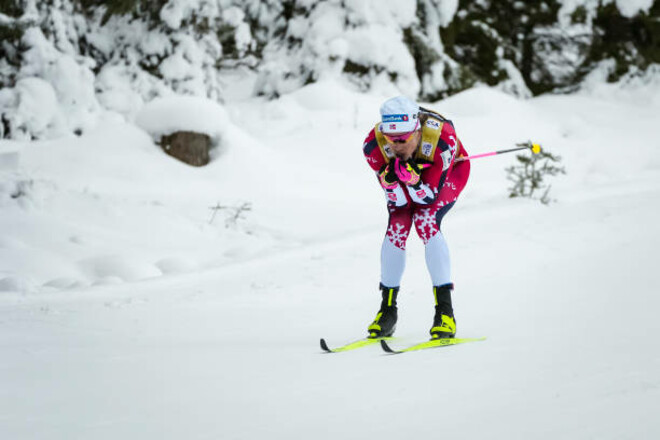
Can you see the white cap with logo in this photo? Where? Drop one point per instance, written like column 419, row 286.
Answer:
column 399, row 115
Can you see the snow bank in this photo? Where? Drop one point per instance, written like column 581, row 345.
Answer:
column 9, row 156
column 165, row 116
column 137, row 214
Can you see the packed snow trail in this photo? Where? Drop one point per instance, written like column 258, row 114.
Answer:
column 234, row 352
column 566, row 294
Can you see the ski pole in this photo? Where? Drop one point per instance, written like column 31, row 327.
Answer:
column 536, row 148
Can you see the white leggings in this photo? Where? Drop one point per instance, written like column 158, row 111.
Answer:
column 393, row 262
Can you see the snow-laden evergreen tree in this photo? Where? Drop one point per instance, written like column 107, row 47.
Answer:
column 552, row 44
column 62, row 62
column 360, row 39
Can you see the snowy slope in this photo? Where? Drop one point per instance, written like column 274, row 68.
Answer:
column 125, row 314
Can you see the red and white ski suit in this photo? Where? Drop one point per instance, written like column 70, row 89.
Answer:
column 424, row 205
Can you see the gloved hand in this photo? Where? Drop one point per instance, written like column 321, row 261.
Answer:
column 387, row 176
column 408, row 172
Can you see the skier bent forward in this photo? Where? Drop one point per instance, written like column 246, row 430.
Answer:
column 413, row 152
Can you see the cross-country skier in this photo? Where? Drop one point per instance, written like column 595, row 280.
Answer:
column 413, row 152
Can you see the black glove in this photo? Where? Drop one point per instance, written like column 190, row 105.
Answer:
column 387, row 176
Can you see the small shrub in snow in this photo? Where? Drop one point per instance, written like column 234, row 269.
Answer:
column 232, row 213
column 528, row 176
column 22, row 189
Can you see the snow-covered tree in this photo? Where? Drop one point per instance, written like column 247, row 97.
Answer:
column 79, row 57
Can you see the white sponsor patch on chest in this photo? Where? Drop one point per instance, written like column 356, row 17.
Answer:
column 427, row 149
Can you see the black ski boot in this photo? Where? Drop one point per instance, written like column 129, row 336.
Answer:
column 385, row 322
column 444, row 323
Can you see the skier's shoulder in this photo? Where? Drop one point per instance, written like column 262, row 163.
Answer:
column 370, row 142
column 433, row 117
column 435, row 121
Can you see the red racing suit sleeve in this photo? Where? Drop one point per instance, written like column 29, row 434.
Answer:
column 372, row 152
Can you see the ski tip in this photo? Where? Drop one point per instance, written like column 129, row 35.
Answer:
column 324, row 346
column 386, row 347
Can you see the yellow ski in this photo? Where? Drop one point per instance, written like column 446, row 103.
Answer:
column 442, row 342
column 364, row 342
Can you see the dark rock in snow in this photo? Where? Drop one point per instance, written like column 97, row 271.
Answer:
column 187, row 146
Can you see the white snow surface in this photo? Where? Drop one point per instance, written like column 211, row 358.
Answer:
column 164, row 116
column 127, row 310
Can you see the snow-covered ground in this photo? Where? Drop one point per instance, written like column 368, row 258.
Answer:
column 127, row 311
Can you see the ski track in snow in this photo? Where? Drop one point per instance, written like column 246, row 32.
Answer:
column 566, row 294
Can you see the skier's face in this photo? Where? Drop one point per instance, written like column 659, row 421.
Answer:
column 404, row 146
